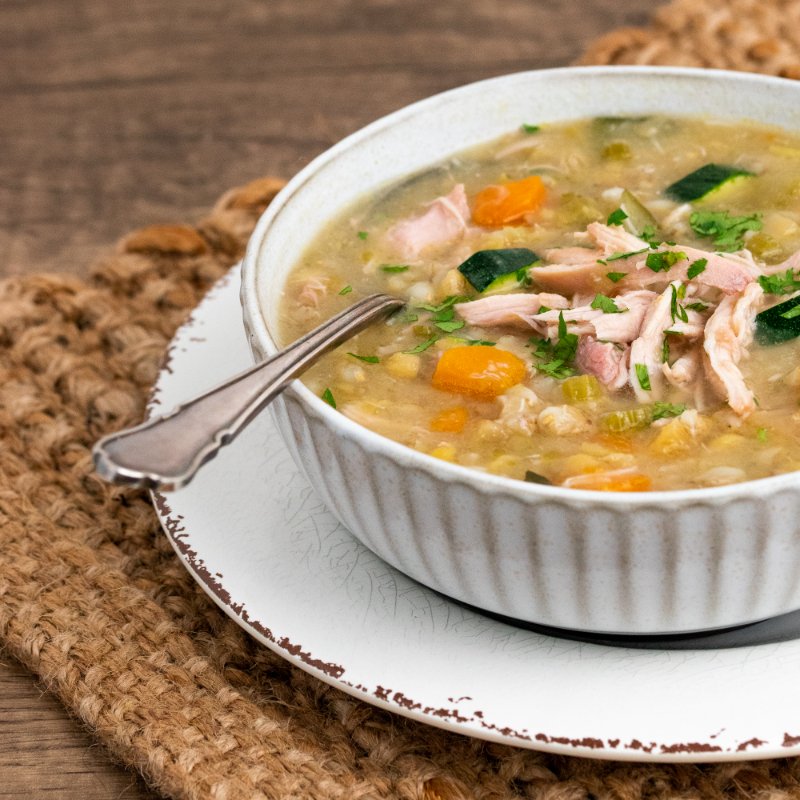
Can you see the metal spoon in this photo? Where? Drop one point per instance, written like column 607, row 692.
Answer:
column 166, row 452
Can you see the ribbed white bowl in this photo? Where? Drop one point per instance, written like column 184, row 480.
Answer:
column 655, row 562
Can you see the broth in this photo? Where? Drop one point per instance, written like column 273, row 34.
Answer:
column 620, row 344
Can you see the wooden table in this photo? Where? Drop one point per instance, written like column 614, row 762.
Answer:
column 117, row 114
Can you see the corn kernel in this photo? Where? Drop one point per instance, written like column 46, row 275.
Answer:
column 728, row 441
column 580, row 464
column 402, row 365
column 674, row 438
column 452, row 283
column 446, row 452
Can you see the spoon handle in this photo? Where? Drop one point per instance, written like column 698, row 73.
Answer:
column 165, row 452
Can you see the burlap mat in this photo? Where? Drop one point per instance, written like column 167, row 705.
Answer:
column 95, row 602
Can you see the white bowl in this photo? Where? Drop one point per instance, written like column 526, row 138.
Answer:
column 655, row 562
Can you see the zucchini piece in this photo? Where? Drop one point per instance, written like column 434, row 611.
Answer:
column 481, row 269
column 703, row 181
column 640, row 220
column 510, row 282
column 779, row 323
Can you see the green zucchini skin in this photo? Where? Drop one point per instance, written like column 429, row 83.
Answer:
column 773, row 328
column 483, row 267
column 702, row 181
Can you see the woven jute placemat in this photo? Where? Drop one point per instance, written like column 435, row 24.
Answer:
column 93, row 599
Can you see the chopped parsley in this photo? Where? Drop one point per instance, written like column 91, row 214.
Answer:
column 619, row 256
column 346, row 290
column 697, row 306
column 726, row 231
column 446, row 303
column 676, row 309
column 761, row 434
column 780, row 284
column 408, row 317
column 615, row 277
column 367, row 359
column 421, row 348
column 664, row 260
column 555, row 358
column 649, row 234
column 327, row 396
column 643, row 376
column 606, row 305
column 616, row 217
column 394, row 267
column 696, row 267
column 448, row 326
column 472, row 342
column 662, row 410
column 362, row 235
column 526, row 128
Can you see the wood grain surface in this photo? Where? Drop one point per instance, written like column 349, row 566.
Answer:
column 117, row 114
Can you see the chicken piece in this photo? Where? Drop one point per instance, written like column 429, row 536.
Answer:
column 588, row 276
column 683, row 372
column 443, row 222
column 613, row 239
column 563, row 420
column 646, row 349
column 314, row 289
column 608, row 363
column 728, row 333
column 508, row 309
column 518, row 410
column 624, row 327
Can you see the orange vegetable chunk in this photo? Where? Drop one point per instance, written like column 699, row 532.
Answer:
column 451, row 420
column 612, row 482
column 507, row 203
column 478, row 371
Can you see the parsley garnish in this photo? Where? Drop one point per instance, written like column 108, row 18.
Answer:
column 696, row 267
column 665, row 351
column 726, row 231
column 696, row 306
column 616, row 217
column 394, row 267
column 408, row 317
column 327, row 396
column 662, row 410
column 615, row 277
column 367, row 359
column 661, row 262
column 779, row 284
column 643, row 376
column 761, row 434
column 555, row 359
column 648, row 234
column 362, row 235
column 619, row 256
column 526, row 128
column 423, row 346
column 448, row 326
column 471, row 342
column 676, row 309
column 446, row 303
column 346, row 290
column 606, row 305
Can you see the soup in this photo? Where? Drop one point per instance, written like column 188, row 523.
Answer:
column 607, row 304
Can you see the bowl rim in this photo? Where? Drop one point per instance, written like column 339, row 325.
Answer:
column 257, row 328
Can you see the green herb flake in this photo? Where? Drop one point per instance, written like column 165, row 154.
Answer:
column 473, row 342
column 366, row 359
column 448, row 302
column 346, row 290
column 761, row 434
column 616, row 217
column 615, row 277
column 327, row 396
column 727, row 231
column 526, row 128
column 664, row 260
column 394, row 267
column 448, row 326
column 362, row 235
column 676, row 309
column 620, row 256
column 697, row 306
column 555, row 358
column 663, row 410
column 535, row 477
column 421, row 348
column 780, row 284
column 643, row 376
column 649, row 234
column 665, row 351
column 606, row 305
column 696, row 267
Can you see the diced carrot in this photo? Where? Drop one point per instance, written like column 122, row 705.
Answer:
column 611, row 482
column 451, row 420
column 614, row 441
column 478, row 370
column 507, row 203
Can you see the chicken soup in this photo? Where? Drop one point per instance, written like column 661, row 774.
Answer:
column 608, row 304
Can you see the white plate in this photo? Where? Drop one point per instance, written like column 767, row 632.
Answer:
column 257, row 539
